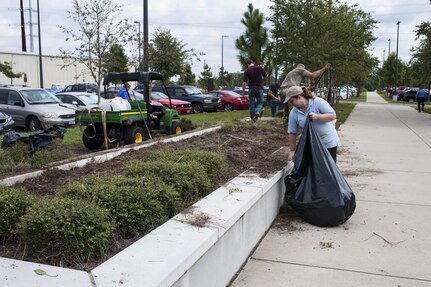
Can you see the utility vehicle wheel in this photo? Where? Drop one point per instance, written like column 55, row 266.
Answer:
column 176, row 129
column 89, row 139
column 228, row 107
column 33, row 124
column 134, row 134
column 197, row 108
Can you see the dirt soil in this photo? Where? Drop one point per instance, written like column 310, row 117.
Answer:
column 262, row 145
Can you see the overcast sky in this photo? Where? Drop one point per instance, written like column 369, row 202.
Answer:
column 201, row 23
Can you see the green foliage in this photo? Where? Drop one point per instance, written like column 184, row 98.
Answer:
column 133, row 208
column 320, row 32
column 217, row 118
column 187, row 77
column 166, row 54
column 389, row 70
column 6, row 69
column 77, row 230
column 212, row 162
column 115, row 60
column 189, row 179
column 253, row 42
column 421, row 64
column 186, row 124
column 13, row 204
column 205, row 75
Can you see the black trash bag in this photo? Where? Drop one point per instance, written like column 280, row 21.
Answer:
column 316, row 189
column 38, row 140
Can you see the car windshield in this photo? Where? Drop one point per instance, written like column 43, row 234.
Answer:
column 89, row 99
column 193, row 91
column 39, row 97
column 158, row 96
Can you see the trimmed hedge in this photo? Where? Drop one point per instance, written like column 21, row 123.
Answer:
column 212, row 162
column 14, row 203
column 133, row 209
column 75, row 229
column 189, row 179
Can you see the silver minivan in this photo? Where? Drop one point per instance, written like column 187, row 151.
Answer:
column 34, row 108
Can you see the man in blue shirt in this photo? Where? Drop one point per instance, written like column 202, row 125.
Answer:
column 123, row 92
column 420, row 98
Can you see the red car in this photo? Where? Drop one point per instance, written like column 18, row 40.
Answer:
column 230, row 100
column 180, row 106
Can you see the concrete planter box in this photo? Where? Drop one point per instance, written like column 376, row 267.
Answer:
column 178, row 253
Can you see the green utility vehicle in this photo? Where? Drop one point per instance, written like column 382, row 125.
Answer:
column 125, row 122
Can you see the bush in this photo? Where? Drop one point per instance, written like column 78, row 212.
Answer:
column 132, row 208
column 186, row 124
column 212, row 162
column 13, row 204
column 189, row 179
column 78, row 230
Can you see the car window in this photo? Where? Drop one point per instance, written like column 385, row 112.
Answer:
column 180, row 93
column 68, row 88
column 13, row 98
column 193, row 91
column 3, row 96
column 39, row 97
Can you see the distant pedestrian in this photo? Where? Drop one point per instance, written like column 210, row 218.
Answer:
column 273, row 97
column 420, row 98
column 253, row 76
column 294, row 78
column 320, row 112
column 122, row 93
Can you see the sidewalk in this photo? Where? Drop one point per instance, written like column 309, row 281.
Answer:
column 386, row 158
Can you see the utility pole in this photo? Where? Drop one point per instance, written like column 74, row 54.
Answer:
column 389, row 51
column 145, row 24
column 40, row 46
column 383, row 61
column 396, row 58
column 222, row 67
column 23, row 42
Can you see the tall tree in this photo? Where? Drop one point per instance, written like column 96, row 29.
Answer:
column 167, row 54
column 204, row 76
column 99, row 27
column 253, row 42
column 389, row 68
column 187, row 77
column 322, row 31
column 115, row 60
column 421, row 64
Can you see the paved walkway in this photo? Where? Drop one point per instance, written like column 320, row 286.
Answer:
column 386, row 158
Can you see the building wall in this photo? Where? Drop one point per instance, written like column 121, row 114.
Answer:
column 53, row 70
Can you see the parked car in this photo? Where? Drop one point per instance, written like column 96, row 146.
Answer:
column 230, row 100
column 6, row 123
column 56, row 88
column 410, row 95
column 34, row 108
column 80, row 100
column 183, row 107
column 199, row 101
column 82, row 87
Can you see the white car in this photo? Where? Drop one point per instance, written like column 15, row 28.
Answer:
column 81, row 100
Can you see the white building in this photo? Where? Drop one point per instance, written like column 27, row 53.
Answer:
column 55, row 70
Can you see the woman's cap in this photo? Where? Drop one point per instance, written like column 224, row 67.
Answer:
column 293, row 91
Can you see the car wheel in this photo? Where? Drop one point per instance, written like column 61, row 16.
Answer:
column 175, row 129
column 228, row 107
column 134, row 134
column 197, row 108
column 33, row 124
column 89, row 139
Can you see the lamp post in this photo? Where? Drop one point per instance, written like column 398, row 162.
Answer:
column 139, row 44
column 396, row 57
column 389, row 51
column 40, row 46
column 222, row 67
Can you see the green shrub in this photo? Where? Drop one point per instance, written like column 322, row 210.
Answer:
column 77, row 230
column 212, row 162
column 186, row 124
column 13, row 204
column 133, row 210
column 189, row 179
